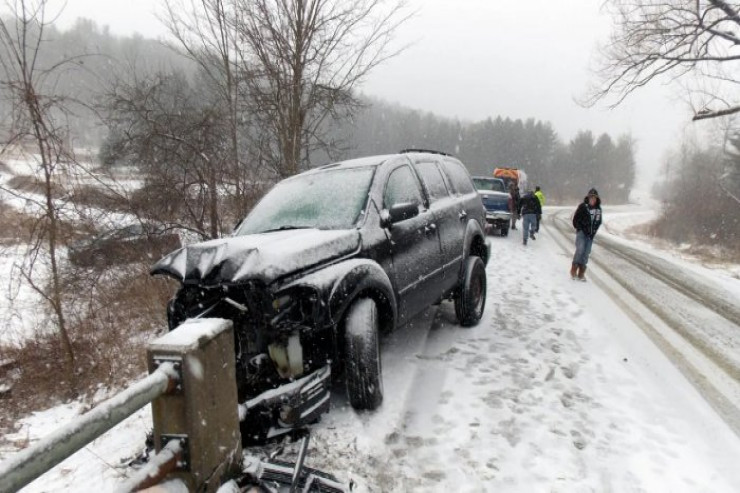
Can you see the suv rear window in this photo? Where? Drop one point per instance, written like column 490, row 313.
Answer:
column 459, row 177
column 432, row 178
column 489, row 185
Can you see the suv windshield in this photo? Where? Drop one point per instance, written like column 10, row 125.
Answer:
column 489, row 185
column 327, row 200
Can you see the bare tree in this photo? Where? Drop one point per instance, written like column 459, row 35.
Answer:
column 205, row 32
column 179, row 136
column 669, row 39
column 38, row 120
column 305, row 58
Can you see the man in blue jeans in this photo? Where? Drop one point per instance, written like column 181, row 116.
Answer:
column 586, row 220
column 529, row 208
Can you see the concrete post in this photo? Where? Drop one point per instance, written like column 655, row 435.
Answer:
column 203, row 413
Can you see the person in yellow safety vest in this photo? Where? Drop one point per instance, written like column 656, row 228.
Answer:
column 541, row 197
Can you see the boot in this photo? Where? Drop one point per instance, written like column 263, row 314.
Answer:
column 574, row 271
column 582, row 273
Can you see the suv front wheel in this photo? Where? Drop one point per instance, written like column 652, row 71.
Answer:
column 363, row 372
column 470, row 300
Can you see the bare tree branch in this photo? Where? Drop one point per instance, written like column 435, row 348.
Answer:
column 306, row 58
column 656, row 39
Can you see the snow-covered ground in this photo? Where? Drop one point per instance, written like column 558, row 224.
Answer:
column 620, row 223
column 21, row 315
column 555, row 390
column 18, row 301
column 98, row 466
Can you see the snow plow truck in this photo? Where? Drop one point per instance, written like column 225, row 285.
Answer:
column 512, row 175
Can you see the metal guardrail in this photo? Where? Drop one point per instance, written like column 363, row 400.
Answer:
column 192, row 389
column 195, row 421
column 162, row 464
column 30, row 463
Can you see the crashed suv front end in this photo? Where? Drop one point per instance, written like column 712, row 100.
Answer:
column 283, row 333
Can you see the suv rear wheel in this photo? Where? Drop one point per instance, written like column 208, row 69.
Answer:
column 470, row 300
column 362, row 351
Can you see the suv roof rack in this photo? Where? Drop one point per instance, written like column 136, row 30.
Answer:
column 428, row 151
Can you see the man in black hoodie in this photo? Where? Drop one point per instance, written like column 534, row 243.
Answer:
column 529, row 209
column 586, row 220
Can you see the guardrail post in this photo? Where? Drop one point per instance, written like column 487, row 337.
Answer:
column 202, row 412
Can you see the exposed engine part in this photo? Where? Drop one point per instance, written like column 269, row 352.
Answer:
column 278, row 338
column 288, row 356
column 235, row 304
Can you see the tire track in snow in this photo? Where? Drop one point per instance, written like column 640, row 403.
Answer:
column 493, row 402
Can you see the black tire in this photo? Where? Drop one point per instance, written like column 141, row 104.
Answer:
column 470, row 300
column 363, row 371
column 505, row 232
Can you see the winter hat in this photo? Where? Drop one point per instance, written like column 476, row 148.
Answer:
column 537, row 188
column 593, row 193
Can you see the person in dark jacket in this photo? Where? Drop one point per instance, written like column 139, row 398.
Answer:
column 514, row 199
column 586, row 221
column 529, row 208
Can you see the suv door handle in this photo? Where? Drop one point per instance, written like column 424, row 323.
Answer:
column 430, row 228
column 463, row 215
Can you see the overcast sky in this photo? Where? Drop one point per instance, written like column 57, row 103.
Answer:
column 477, row 58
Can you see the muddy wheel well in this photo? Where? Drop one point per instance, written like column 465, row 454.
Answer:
column 385, row 309
column 478, row 248
column 385, row 313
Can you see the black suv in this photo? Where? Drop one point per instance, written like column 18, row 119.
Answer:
column 324, row 263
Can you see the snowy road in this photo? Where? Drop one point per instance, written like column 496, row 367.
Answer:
column 557, row 389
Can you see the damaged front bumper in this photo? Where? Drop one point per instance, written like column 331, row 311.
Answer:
column 286, row 408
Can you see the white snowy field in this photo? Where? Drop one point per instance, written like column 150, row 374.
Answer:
column 619, row 223
column 555, row 390
column 22, row 313
column 19, row 303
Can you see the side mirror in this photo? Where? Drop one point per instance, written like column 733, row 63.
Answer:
column 398, row 213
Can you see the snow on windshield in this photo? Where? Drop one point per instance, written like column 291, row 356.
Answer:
column 331, row 199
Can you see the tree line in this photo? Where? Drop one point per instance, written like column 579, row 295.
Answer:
column 565, row 170
column 700, row 196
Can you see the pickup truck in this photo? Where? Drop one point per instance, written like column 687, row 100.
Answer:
column 496, row 201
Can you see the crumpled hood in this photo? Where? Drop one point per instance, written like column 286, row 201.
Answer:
column 264, row 257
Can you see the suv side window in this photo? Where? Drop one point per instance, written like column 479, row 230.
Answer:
column 402, row 187
column 459, row 177
column 432, row 178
